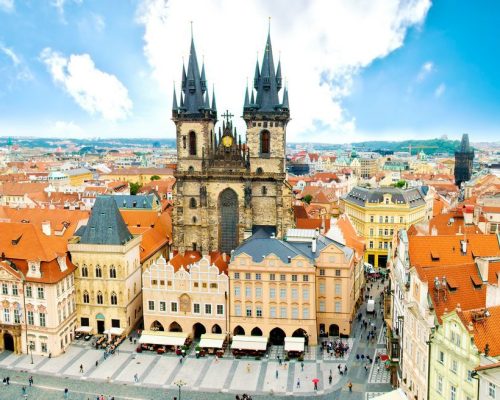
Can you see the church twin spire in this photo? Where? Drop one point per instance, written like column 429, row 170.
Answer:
column 194, row 99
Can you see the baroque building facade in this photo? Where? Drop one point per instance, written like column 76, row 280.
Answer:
column 226, row 189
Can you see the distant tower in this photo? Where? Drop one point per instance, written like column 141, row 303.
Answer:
column 463, row 161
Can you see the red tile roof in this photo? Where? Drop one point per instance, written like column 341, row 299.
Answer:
column 484, row 328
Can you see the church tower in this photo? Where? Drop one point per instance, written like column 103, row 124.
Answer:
column 463, row 161
column 227, row 189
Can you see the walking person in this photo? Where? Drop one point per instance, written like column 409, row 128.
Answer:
column 81, row 368
column 276, row 374
column 298, row 383
column 350, row 386
column 302, row 366
column 66, row 393
column 136, row 377
column 330, row 378
column 30, row 381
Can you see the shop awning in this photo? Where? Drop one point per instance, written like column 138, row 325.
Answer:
column 114, row 331
column 212, row 340
column 84, row 329
column 244, row 342
column 294, row 343
column 163, row 338
column 397, row 394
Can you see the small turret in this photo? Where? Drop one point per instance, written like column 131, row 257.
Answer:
column 247, row 101
column 175, row 108
column 285, row 105
column 278, row 76
column 214, row 105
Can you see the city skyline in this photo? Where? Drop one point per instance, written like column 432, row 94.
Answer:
column 110, row 71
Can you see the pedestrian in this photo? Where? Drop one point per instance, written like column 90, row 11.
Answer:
column 136, row 377
column 8, row 380
column 279, row 360
column 81, row 368
column 350, row 386
column 302, row 366
column 66, row 393
column 315, row 384
column 248, row 368
column 276, row 374
column 96, row 363
column 366, row 368
column 330, row 378
column 298, row 383
column 30, row 380
column 339, row 367
column 345, row 369
column 24, row 390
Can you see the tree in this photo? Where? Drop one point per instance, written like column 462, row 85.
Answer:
column 134, row 187
column 307, row 198
column 155, row 178
column 400, row 184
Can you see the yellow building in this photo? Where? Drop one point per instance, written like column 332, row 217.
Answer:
column 137, row 175
column 108, row 281
column 378, row 213
column 78, row 176
column 297, row 287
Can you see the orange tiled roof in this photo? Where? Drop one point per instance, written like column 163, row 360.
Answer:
column 485, row 330
column 188, row 258
column 445, row 249
column 21, row 188
column 451, row 223
column 299, row 211
column 461, row 289
column 351, row 237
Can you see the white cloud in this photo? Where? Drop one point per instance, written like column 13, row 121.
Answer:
column 7, row 5
column 324, row 45
column 425, row 71
column 440, row 90
column 98, row 22
column 59, row 6
column 67, row 129
column 20, row 69
column 97, row 92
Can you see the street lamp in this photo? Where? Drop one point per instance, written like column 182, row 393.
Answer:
column 180, row 383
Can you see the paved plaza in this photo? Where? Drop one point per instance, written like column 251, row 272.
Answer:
column 147, row 375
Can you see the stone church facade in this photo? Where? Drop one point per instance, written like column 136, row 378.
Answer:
column 226, row 189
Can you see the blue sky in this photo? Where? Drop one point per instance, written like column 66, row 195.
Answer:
column 356, row 70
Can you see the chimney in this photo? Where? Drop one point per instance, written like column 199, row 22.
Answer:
column 313, row 245
column 458, row 308
column 463, row 247
column 434, row 231
column 289, row 260
column 46, row 228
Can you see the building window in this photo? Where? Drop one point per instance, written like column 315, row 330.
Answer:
column 305, row 294
column 453, row 392
column 295, row 313
column 208, row 308
column 192, row 143
column 454, row 366
column 295, row 293
column 265, row 139
column 86, row 298
column 305, row 313
column 236, row 275
column 163, row 306
column 258, row 292
column 282, row 293
column 44, row 347
column 6, row 315
column 337, row 272
column 5, row 288
column 220, row 309
column 371, row 218
column 322, row 306
column 258, row 311
column 370, row 244
column 192, row 202
column 338, row 306
column 29, row 292
column 282, row 312
column 264, row 191
column 294, row 278
column 17, row 317
column 114, row 299
column 237, row 310
column 492, row 390
column 282, row 277
column 321, row 272
column 237, row 291
column 272, row 312
column 272, row 293
column 249, row 311
column 173, row 306
column 400, row 220
column 100, row 299
column 338, row 288
column 248, row 291
column 439, row 388
column 31, row 318
column 40, row 293
column 98, row 272
column 469, row 376
column 258, row 277
column 272, row 277
column 380, row 219
column 322, row 288
column 371, row 231
column 248, row 276
column 42, row 319
column 112, row 272
column 85, row 271
column 14, row 290
column 151, row 305
column 305, row 278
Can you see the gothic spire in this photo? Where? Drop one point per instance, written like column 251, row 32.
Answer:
column 285, row 104
column 464, row 145
column 214, row 105
column 256, row 77
column 206, row 104
column 174, row 102
column 247, row 101
column 278, row 76
column 252, row 100
column 203, row 78
column 184, row 76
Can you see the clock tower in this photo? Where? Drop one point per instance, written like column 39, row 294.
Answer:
column 226, row 188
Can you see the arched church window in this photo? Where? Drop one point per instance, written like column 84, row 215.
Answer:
column 184, row 142
column 99, row 298
column 112, row 272
column 195, row 220
column 86, row 298
column 264, row 190
column 191, row 169
column 85, row 271
column 98, row 272
column 265, row 142
column 192, row 202
column 114, row 298
column 259, row 171
column 192, row 143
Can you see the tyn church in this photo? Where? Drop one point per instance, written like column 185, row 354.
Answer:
column 227, row 189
